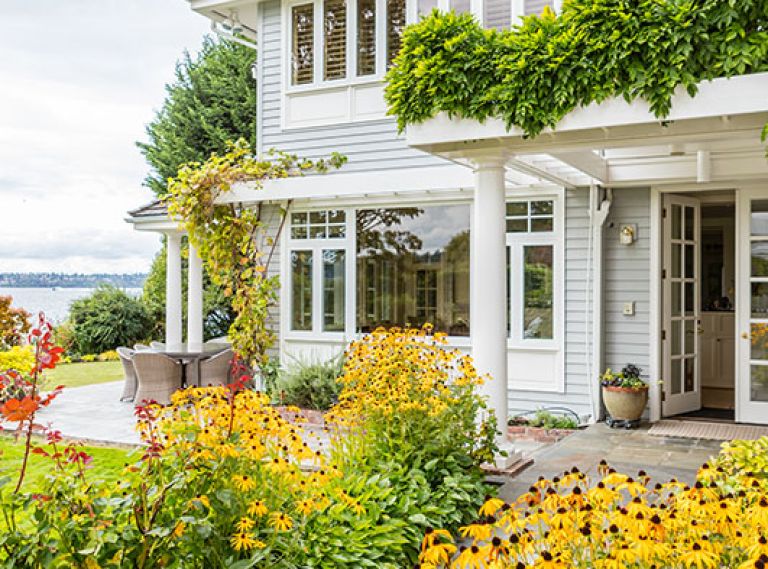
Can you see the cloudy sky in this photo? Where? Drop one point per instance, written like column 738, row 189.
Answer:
column 79, row 79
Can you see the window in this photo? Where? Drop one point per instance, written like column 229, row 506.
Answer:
column 318, row 258
column 333, row 290
column 395, row 25
column 425, row 7
column 302, row 44
column 318, row 224
column 366, row 37
column 413, row 268
column 301, row 279
column 459, row 6
column 497, row 14
column 532, row 261
column 335, row 39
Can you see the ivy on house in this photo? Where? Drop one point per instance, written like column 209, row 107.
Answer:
column 537, row 72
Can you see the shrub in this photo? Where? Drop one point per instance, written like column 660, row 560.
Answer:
column 88, row 358
column 547, row 420
column 739, row 459
column 14, row 323
column 110, row 356
column 310, row 385
column 226, row 481
column 106, row 319
column 19, row 358
column 620, row 521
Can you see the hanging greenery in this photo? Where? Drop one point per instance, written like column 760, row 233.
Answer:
column 232, row 238
column 534, row 74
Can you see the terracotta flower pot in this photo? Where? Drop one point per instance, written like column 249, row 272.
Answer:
column 625, row 403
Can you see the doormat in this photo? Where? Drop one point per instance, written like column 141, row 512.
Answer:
column 704, row 430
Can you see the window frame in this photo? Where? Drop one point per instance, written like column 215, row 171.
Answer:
column 351, row 78
column 515, row 243
column 318, row 246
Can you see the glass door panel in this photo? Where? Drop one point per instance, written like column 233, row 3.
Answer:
column 752, row 307
column 681, row 305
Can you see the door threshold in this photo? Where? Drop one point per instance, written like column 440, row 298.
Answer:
column 708, row 414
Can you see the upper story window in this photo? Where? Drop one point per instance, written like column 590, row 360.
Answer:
column 355, row 41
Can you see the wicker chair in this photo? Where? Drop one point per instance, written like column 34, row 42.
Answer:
column 158, row 377
column 129, row 387
column 157, row 345
column 141, row 347
column 214, row 371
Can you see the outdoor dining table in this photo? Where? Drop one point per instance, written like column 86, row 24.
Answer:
column 187, row 354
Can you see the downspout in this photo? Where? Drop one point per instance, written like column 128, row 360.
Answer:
column 598, row 213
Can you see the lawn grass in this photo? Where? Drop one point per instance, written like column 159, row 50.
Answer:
column 79, row 374
column 108, row 462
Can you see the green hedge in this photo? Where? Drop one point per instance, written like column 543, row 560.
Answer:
column 534, row 74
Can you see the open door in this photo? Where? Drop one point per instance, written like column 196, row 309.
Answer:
column 681, row 270
column 752, row 306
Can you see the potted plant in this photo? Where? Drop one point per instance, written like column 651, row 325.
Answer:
column 625, row 395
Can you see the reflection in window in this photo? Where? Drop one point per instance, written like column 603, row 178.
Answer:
column 413, row 268
column 302, row 47
column 538, row 314
column 301, row 301
column 335, row 45
column 333, row 290
column 366, row 37
column 395, row 25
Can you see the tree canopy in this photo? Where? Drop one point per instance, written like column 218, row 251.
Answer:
column 211, row 101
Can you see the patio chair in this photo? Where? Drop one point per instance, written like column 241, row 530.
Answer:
column 158, row 377
column 157, row 345
column 129, row 387
column 214, row 371
column 140, row 347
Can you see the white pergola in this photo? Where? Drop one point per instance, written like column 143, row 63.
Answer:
column 154, row 217
column 708, row 140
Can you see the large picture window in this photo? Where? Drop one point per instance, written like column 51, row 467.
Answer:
column 413, row 268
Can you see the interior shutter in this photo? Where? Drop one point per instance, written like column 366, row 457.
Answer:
column 366, row 37
column 335, row 32
column 302, row 44
column 395, row 25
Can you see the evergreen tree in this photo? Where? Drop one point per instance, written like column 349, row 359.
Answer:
column 211, row 101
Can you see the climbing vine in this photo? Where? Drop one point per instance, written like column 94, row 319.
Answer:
column 534, row 74
column 232, row 238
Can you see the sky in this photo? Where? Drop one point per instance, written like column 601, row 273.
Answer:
column 79, row 80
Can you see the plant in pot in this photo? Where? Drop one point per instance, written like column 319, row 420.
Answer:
column 625, row 395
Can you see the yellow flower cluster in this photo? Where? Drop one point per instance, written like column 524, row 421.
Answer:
column 619, row 522
column 396, row 371
column 274, row 472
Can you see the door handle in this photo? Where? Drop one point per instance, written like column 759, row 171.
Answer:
column 744, row 336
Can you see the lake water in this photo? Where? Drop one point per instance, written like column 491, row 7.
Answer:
column 54, row 302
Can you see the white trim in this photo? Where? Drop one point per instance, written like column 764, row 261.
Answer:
column 721, row 97
column 354, row 184
column 557, row 239
column 655, row 318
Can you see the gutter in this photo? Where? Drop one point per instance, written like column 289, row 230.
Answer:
column 598, row 213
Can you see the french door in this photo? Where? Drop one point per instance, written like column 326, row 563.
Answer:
column 681, row 304
column 752, row 306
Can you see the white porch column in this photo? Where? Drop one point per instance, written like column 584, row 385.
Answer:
column 489, row 284
column 173, row 290
column 195, row 298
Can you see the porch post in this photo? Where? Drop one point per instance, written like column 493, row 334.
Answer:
column 195, row 298
column 489, row 284
column 173, row 290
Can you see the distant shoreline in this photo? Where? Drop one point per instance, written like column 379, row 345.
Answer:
column 64, row 280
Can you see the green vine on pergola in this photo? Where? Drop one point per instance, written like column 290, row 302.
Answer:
column 534, row 74
column 232, row 239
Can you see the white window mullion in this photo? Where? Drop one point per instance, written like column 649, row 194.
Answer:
column 476, row 7
column 352, row 39
column 381, row 37
column 319, row 59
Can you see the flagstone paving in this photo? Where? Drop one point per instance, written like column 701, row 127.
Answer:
column 626, row 450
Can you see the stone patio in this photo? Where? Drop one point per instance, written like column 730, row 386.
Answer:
column 626, row 450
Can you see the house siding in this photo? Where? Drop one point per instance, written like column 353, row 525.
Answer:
column 368, row 145
column 577, row 317
column 627, row 279
column 272, row 215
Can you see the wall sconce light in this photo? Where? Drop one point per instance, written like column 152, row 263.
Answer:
column 627, row 233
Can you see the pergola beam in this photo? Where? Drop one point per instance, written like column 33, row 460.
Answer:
column 587, row 162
